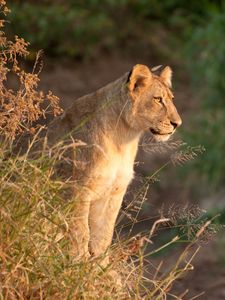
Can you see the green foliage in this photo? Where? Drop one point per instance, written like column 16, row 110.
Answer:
column 84, row 29
column 206, row 49
column 60, row 29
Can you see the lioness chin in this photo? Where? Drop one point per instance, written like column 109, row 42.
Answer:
column 110, row 122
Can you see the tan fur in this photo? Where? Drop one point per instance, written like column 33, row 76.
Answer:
column 110, row 121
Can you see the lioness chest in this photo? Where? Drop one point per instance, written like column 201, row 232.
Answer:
column 114, row 171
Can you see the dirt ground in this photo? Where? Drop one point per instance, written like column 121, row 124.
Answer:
column 208, row 275
column 69, row 80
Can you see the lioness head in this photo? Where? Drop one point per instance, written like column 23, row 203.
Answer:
column 152, row 106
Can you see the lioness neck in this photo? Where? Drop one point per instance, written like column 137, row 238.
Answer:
column 106, row 111
column 115, row 104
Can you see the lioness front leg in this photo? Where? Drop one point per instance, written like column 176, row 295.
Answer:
column 80, row 228
column 103, row 214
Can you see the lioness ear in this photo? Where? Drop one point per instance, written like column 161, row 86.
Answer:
column 166, row 75
column 139, row 77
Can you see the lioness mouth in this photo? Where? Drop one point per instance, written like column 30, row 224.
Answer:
column 159, row 133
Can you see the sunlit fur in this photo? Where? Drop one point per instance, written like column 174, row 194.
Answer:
column 152, row 106
column 110, row 121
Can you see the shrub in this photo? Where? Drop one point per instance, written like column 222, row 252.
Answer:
column 93, row 27
column 206, row 48
column 20, row 107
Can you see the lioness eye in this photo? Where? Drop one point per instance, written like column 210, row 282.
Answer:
column 159, row 99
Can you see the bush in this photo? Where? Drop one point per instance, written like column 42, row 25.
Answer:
column 206, row 48
column 85, row 29
column 46, row 26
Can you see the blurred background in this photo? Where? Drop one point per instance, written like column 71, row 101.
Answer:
column 88, row 43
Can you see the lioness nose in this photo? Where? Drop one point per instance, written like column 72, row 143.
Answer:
column 176, row 123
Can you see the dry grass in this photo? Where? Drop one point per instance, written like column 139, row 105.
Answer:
column 35, row 258
column 35, row 243
column 22, row 106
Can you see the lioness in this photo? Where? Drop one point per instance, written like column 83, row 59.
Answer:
column 111, row 121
